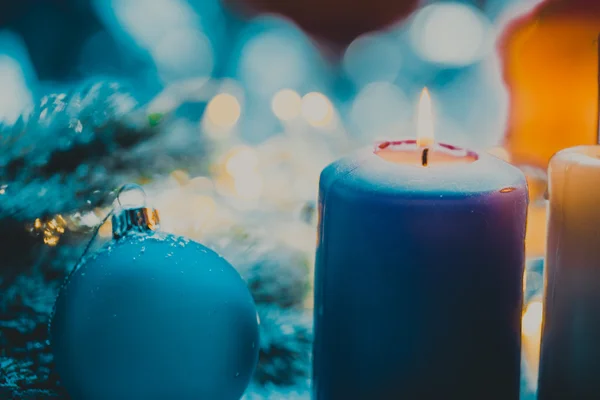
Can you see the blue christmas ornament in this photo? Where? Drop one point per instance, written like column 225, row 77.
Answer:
column 154, row 316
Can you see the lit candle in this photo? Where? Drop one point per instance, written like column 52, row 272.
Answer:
column 419, row 272
column 570, row 352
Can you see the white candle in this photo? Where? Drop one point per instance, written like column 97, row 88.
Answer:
column 570, row 350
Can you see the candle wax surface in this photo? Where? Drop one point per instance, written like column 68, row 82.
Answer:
column 408, row 152
column 570, row 350
column 418, row 278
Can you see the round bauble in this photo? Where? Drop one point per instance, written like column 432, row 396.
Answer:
column 154, row 316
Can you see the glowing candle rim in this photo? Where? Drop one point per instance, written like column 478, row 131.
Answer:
column 584, row 155
column 402, row 145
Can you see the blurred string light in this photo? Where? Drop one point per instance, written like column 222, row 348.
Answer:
column 317, row 110
column 273, row 59
column 243, row 167
column 532, row 318
column 371, row 58
column 223, row 111
column 290, row 165
column 16, row 79
column 532, row 321
column 189, row 205
column 287, row 105
column 168, row 30
column 241, row 160
column 240, row 177
column 381, row 110
column 452, row 34
column 249, row 186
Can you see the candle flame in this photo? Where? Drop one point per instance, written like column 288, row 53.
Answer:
column 425, row 131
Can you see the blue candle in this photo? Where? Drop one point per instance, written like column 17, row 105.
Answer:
column 419, row 272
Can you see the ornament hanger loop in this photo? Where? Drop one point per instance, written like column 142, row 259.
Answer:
column 131, row 187
column 133, row 213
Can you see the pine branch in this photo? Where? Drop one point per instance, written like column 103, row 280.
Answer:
column 55, row 160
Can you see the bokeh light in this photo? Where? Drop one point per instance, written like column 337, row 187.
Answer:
column 183, row 53
column 241, row 160
column 452, row 34
column 16, row 79
column 15, row 97
column 201, row 184
column 317, row 109
column 147, row 22
column 371, row 58
column 532, row 318
column 168, row 30
column 249, row 186
column 287, row 104
column 531, row 338
column 242, row 178
column 223, row 110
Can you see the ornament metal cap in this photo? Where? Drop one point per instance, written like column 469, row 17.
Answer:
column 133, row 218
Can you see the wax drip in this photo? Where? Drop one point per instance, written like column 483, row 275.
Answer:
column 425, row 157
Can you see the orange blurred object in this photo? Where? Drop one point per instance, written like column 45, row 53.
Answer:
column 337, row 21
column 535, row 240
column 550, row 61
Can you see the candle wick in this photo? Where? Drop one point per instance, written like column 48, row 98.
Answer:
column 425, row 156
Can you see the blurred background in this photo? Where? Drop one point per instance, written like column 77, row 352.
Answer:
column 227, row 110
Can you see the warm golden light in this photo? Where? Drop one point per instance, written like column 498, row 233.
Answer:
column 287, row 105
column 531, row 335
column 242, row 174
column 425, row 131
column 317, row 109
column 241, row 161
column 105, row 230
column 249, row 186
column 532, row 318
column 180, row 176
column 223, row 110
